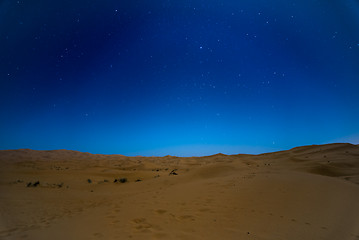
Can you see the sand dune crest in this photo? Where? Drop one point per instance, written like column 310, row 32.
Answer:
column 309, row 192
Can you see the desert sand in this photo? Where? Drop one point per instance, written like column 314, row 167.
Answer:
column 309, row 192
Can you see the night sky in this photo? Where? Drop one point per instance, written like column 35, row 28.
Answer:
column 178, row 77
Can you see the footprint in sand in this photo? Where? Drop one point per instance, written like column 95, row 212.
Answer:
column 205, row 210
column 161, row 211
column 186, row 217
column 45, row 222
column 141, row 224
column 160, row 235
column 209, row 200
column 8, row 232
column 98, row 235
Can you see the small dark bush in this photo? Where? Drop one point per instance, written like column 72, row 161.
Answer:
column 89, row 180
column 173, row 172
column 123, row 180
column 35, row 184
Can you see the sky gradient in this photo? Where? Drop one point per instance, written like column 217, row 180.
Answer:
column 178, row 77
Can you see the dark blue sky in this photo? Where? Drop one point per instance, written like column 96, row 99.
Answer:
column 178, row 77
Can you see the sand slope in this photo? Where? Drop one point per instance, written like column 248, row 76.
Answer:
column 309, row 192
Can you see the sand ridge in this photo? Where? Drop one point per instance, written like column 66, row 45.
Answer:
column 309, row 192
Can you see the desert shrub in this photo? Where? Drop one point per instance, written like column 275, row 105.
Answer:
column 173, row 172
column 123, row 180
column 35, row 184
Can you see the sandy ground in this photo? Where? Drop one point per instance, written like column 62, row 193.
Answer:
column 307, row 193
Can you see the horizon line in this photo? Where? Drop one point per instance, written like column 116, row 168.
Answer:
column 169, row 155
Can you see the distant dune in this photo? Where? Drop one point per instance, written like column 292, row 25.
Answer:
column 309, row 192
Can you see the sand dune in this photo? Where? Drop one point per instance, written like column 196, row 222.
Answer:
column 309, row 192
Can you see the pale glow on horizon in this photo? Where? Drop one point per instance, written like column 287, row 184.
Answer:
column 203, row 150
